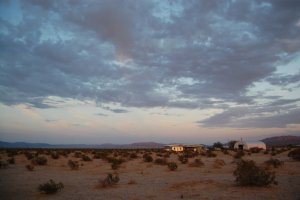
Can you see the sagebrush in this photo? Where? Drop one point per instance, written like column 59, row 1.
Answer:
column 248, row 173
column 50, row 187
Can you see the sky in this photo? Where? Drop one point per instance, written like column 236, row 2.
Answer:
column 123, row 71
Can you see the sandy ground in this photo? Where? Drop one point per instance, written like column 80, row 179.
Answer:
column 141, row 180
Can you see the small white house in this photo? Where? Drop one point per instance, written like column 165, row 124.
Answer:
column 184, row 147
column 244, row 145
column 174, row 147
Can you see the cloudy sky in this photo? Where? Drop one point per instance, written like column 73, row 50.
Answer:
column 114, row 71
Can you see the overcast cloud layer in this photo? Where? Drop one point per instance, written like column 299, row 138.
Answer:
column 146, row 54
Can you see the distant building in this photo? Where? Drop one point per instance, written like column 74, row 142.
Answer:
column 243, row 145
column 184, row 147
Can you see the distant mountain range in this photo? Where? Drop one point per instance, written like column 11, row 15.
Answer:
column 282, row 140
column 141, row 145
column 271, row 141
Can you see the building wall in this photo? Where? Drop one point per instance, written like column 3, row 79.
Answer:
column 177, row 148
column 249, row 145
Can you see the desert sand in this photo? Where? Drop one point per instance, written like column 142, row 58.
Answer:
column 143, row 180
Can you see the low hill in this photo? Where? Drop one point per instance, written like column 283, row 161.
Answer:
column 282, row 140
column 141, row 145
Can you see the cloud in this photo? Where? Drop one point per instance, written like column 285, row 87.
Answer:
column 277, row 114
column 115, row 110
column 205, row 55
column 283, row 80
column 101, row 114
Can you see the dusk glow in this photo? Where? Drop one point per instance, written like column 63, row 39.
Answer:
column 166, row 71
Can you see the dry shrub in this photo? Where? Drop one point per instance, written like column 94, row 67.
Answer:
column 295, row 154
column 266, row 152
column 86, row 158
column 160, row 161
column 131, row 182
column 183, row 159
column 248, row 173
column 3, row 164
column 29, row 155
column 30, row 167
column 115, row 163
column 196, row 163
column 255, row 150
column 54, row 155
column 274, row 163
column 73, row 164
column 239, row 154
column 77, row 154
column 218, row 163
column 210, row 154
column 147, row 158
column 133, row 156
column 225, row 151
column 172, row 166
column 11, row 160
column 50, row 187
column 109, row 181
column 40, row 160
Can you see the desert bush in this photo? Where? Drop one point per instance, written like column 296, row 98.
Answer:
column 65, row 153
column 274, row 162
column 86, row 158
column 3, row 164
column 11, row 153
column 239, row 154
column 167, row 155
column 255, row 150
column 97, row 156
column 210, row 154
column 115, row 163
column 183, row 159
column 50, row 187
column 160, row 161
column 147, row 158
column 225, row 151
column 172, row 166
column 73, row 164
column 115, row 166
column 159, row 155
column 29, row 155
column 196, row 163
column 40, row 160
column 266, row 152
column 11, row 160
column 190, row 154
column 133, row 156
column 248, row 174
column 218, row 145
column 54, row 155
column 218, row 163
column 77, row 154
column 295, row 154
column 110, row 180
column 131, row 182
column 30, row 167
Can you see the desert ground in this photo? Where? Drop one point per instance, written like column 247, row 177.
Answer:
column 140, row 179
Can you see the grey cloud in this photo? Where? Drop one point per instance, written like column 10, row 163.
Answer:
column 101, row 114
column 277, row 121
column 223, row 47
column 115, row 110
column 284, row 80
column 277, row 114
column 51, row 120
